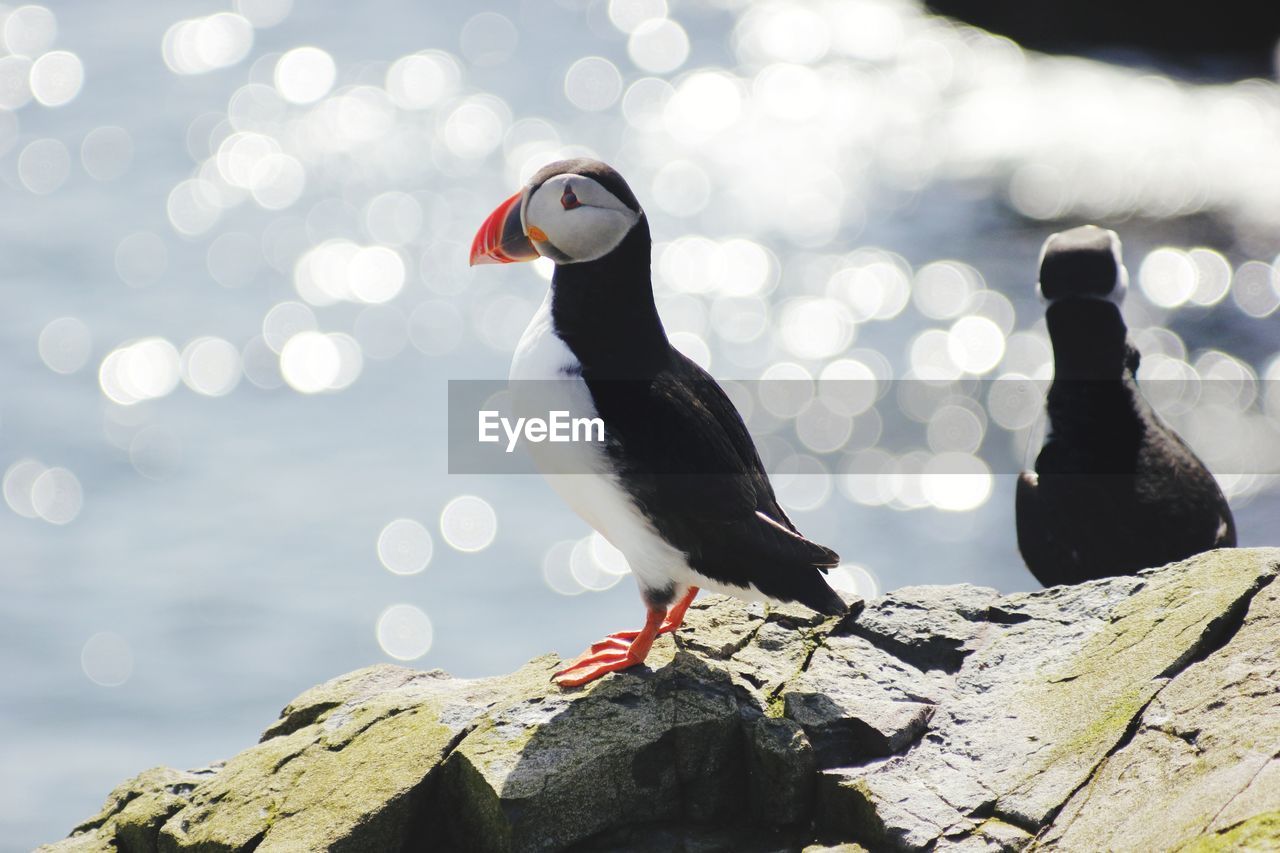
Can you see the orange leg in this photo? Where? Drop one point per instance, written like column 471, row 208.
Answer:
column 625, row 648
column 675, row 618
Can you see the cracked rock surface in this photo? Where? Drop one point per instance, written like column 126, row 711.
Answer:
column 1131, row 713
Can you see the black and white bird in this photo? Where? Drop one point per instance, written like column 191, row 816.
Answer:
column 677, row 486
column 1115, row 490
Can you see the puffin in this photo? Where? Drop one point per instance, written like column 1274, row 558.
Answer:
column 1115, row 490
column 676, row 484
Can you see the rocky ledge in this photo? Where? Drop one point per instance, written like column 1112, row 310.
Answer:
column 1133, row 713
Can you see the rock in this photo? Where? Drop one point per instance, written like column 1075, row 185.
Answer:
column 929, row 627
column 1127, row 713
column 780, row 770
column 1184, row 34
column 1205, row 755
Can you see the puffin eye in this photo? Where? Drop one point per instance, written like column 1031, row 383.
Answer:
column 569, row 201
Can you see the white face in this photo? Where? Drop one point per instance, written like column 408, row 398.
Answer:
column 571, row 218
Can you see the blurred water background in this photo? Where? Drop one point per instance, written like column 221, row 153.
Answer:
column 233, row 275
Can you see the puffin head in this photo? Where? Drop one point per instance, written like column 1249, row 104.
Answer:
column 1083, row 263
column 571, row 211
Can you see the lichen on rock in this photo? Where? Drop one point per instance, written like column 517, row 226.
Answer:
column 1127, row 713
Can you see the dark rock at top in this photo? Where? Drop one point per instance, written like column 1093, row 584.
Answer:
column 1183, row 33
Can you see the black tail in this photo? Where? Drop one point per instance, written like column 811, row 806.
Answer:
column 818, row 596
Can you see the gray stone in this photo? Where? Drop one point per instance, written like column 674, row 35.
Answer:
column 1127, row 713
column 1205, row 756
column 780, row 767
column 930, row 627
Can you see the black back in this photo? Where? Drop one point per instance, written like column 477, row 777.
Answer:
column 1116, row 490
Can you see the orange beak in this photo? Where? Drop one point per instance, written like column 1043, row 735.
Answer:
column 501, row 239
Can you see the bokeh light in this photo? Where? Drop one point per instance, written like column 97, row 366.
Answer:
column 18, row 481
column 1167, row 277
column 404, row 547
column 956, row 482
column 488, row 38
column 557, row 571
column 107, row 659
column 422, row 80
column 658, row 45
column 468, row 523
column 56, row 78
column 404, row 632
column 44, row 165
column 56, row 496
column 106, row 153
column 595, row 565
column 64, row 344
column 139, row 371
column 29, row 30
column 312, row 361
column 201, row 45
column 210, row 366
column 15, row 88
column 592, row 84
column 304, row 75
column 854, row 580
column 629, row 15
column 141, row 259
column 263, row 14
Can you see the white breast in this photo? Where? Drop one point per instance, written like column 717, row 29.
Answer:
column 544, row 378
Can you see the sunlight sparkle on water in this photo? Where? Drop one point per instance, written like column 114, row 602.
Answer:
column 854, row 580
column 142, row 370
column 106, row 153
column 595, row 565
column 201, row 45
column 592, row 84
column 975, row 344
column 56, row 496
column 404, row 632
column 488, row 39
column 141, row 259
column 658, row 46
column 210, row 366
column 29, row 30
column 1256, row 289
column 628, row 15
column 44, row 165
column 404, row 547
column 1168, row 277
column 468, row 523
column 681, row 188
column 422, row 80
column 15, row 90
column 64, row 344
column 107, row 659
column 18, row 480
column 305, row 75
column 264, row 13
column 56, row 78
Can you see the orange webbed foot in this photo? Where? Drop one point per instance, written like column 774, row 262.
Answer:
column 589, row 667
column 623, row 649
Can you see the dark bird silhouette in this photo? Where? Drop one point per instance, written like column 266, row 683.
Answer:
column 1115, row 490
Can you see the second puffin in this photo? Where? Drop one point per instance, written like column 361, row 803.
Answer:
column 677, row 486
